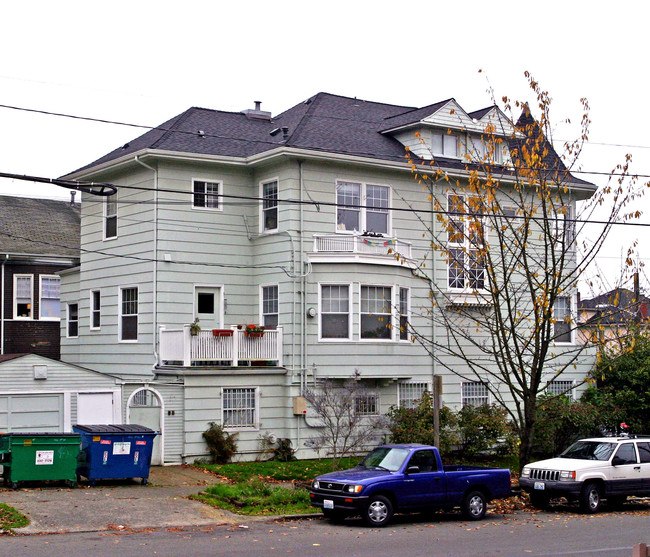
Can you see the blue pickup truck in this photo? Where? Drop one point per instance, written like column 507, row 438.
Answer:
column 407, row 478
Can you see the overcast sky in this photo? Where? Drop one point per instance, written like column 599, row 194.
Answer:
column 142, row 62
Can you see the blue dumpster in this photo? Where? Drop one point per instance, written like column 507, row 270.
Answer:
column 110, row 452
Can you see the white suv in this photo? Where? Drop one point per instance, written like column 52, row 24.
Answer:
column 591, row 470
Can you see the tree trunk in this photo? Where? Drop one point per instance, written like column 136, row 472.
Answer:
column 527, row 433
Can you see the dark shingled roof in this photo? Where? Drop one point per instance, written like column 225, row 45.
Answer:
column 616, row 307
column 39, row 226
column 325, row 122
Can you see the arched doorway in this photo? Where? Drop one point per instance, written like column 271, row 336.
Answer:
column 145, row 407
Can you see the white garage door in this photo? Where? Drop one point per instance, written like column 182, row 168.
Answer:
column 95, row 408
column 31, row 413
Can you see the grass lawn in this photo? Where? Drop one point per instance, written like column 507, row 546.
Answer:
column 10, row 518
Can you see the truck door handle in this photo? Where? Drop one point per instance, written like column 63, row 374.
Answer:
column 437, row 479
column 408, row 481
column 637, row 467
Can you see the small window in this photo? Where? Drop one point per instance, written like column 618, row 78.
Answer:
column 560, row 388
column 644, row 452
column 95, row 309
column 129, row 314
column 270, row 206
column 411, row 393
column 626, row 453
column 73, row 320
column 23, row 296
column 563, row 320
column 403, row 313
column 366, row 405
column 110, row 217
column 445, row 144
column 425, row 461
column 474, row 394
column 205, row 302
column 239, row 408
column 50, row 302
column 376, row 312
column 335, row 311
column 270, row 306
column 206, row 195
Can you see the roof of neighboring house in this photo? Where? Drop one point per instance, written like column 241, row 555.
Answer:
column 39, row 226
column 7, row 357
column 616, row 307
column 324, row 123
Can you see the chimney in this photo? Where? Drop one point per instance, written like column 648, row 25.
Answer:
column 285, row 133
column 257, row 112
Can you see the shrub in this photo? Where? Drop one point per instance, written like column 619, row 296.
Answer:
column 221, row 444
column 485, row 429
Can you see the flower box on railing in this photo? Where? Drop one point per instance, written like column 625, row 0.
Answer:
column 222, row 332
column 254, row 331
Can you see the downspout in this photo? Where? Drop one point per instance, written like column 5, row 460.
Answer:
column 303, row 283
column 155, row 259
column 434, row 308
column 2, row 307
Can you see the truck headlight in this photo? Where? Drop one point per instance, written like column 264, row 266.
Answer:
column 525, row 473
column 567, row 475
column 353, row 488
column 315, row 484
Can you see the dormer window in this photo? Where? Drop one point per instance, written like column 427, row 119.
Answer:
column 444, row 144
column 480, row 150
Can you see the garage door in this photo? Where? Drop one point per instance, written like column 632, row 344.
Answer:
column 31, row 413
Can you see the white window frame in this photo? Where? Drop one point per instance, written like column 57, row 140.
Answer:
column 466, row 398
column 256, row 411
column 263, row 312
column 571, row 324
column 95, row 310
column 320, row 312
column 122, row 315
column 443, row 147
column 276, row 207
column 391, row 305
column 219, row 194
column 562, row 387
column 399, row 290
column 363, row 209
column 41, row 297
column 409, row 402
column 368, row 404
column 69, row 320
column 108, row 202
column 31, row 297
column 463, row 247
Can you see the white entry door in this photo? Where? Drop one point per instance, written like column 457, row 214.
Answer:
column 95, row 408
column 145, row 409
column 207, row 304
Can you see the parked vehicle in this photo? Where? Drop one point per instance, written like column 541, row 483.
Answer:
column 407, row 478
column 591, row 470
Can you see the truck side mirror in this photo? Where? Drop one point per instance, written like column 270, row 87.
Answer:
column 413, row 470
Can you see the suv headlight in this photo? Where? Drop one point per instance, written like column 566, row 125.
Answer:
column 525, row 473
column 315, row 484
column 353, row 488
column 567, row 475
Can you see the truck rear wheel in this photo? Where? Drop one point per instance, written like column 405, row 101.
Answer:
column 474, row 506
column 378, row 512
column 590, row 498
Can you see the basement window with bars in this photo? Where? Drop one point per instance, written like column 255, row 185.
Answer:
column 474, row 394
column 239, row 408
column 411, row 393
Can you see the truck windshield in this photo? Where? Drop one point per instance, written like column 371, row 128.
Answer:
column 385, row 458
column 589, row 450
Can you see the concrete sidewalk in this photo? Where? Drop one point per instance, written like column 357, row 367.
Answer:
column 119, row 505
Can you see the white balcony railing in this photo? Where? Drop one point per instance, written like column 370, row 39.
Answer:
column 229, row 347
column 359, row 244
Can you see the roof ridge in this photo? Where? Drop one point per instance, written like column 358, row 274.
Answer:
column 443, row 102
column 312, row 105
column 171, row 129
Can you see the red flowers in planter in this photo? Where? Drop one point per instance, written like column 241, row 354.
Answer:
column 254, row 331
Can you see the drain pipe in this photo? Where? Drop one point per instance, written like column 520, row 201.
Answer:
column 155, row 258
column 2, row 306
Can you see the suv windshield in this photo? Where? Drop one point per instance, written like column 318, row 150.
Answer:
column 590, row 450
column 385, row 458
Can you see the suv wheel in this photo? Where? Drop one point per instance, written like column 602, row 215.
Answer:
column 590, row 498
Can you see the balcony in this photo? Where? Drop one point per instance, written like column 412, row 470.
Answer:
column 219, row 347
column 359, row 245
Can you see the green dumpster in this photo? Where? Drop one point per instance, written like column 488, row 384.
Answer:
column 39, row 457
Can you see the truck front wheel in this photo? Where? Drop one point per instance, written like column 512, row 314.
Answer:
column 474, row 506
column 539, row 500
column 378, row 512
column 590, row 498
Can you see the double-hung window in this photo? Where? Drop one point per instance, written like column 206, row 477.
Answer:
column 73, row 320
column 404, row 313
column 239, row 408
column 95, row 309
column 335, row 311
column 110, row 217
column 465, row 243
column 362, row 207
column 128, row 314
column 474, row 393
column 206, row 195
column 50, row 302
column 23, row 296
column 563, row 327
column 445, row 144
column 376, row 312
column 270, row 206
column 270, row 306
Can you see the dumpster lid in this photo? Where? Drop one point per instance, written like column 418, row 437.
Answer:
column 38, row 434
column 115, row 428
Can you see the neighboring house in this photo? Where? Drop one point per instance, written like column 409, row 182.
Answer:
column 607, row 318
column 292, row 223
column 38, row 239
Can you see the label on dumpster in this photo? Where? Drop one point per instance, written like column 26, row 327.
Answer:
column 105, row 442
column 140, row 442
column 105, row 460
column 122, row 448
column 136, row 457
column 96, row 438
column 44, row 458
